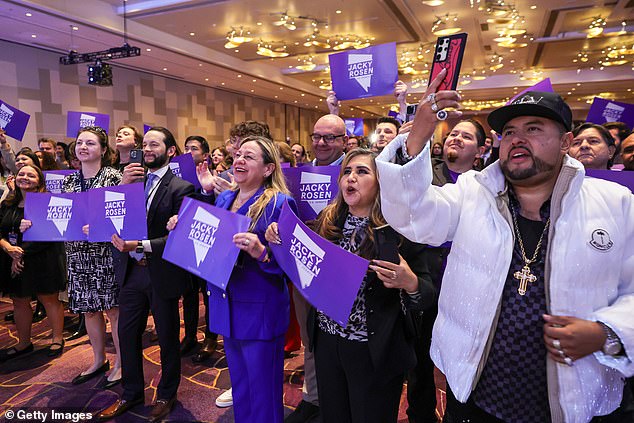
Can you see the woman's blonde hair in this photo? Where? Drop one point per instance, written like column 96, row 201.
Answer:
column 274, row 184
column 328, row 221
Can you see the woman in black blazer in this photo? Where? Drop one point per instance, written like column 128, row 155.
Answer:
column 361, row 368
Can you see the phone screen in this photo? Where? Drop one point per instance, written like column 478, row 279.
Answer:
column 448, row 55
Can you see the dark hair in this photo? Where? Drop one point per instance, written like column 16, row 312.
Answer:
column 30, row 154
column 605, row 136
column 389, row 119
column 286, row 153
column 250, row 128
column 623, row 130
column 303, row 148
column 48, row 140
column 169, row 140
column 48, row 161
column 204, row 145
column 480, row 133
column 138, row 136
column 109, row 156
column 14, row 198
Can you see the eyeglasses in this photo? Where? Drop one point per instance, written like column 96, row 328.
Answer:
column 97, row 129
column 327, row 138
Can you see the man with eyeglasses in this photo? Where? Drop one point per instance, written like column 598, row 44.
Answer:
column 329, row 138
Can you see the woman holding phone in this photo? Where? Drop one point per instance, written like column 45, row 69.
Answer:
column 361, row 368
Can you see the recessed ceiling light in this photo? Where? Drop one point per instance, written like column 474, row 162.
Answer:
column 164, row 69
column 75, row 28
column 206, row 79
column 28, row 14
column 281, row 88
column 303, row 94
column 148, row 49
column 200, row 64
column 533, row 7
column 338, row 12
column 258, row 23
column 222, row 83
column 239, row 76
column 236, row 51
column 255, row 80
column 275, row 96
column 33, row 36
column 191, row 34
column 295, row 101
column 252, row 91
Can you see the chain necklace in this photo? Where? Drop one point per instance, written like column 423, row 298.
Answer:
column 525, row 275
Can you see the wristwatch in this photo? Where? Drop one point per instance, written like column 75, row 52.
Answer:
column 139, row 247
column 612, row 344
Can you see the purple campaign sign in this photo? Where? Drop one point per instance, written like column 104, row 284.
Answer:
column 13, row 120
column 146, row 128
column 603, row 111
column 56, row 217
column 312, row 187
column 543, row 85
column 118, row 209
column 183, row 166
column 326, row 275
column 625, row 178
column 78, row 120
column 55, row 178
column 202, row 242
column 354, row 126
column 368, row 72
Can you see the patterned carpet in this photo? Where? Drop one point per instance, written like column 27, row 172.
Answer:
column 36, row 382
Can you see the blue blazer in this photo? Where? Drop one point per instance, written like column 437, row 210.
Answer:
column 256, row 304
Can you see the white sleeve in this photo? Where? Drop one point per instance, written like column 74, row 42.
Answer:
column 421, row 212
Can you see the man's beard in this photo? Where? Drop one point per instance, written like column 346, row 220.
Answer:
column 157, row 163
column 539, row 166
column 452, row 156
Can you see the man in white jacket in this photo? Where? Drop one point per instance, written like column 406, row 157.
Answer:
column 536, row 311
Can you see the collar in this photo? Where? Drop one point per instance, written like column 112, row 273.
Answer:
column 160, row 172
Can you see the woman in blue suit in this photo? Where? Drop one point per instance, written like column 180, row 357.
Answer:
column 253, row 313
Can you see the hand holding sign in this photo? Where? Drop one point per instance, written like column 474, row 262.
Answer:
column 249, row 243
column 272, row 234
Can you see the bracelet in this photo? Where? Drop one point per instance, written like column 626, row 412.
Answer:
column 404, row 150
column 263, row 257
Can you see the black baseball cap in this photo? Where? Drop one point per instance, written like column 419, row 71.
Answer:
column 533, row 103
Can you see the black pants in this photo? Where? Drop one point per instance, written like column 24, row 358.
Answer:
column 191, row 309
column 421, row 387
column 351, row 389
column 136, row 298
column 457, row 412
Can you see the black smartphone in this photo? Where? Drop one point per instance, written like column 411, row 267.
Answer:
column 411, row 112
column 386, row 240
column 136, row 156
column 448, row 55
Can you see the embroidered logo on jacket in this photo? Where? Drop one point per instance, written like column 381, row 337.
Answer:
column 600, row 240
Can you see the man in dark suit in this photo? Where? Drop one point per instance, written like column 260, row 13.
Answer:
column 149, row 282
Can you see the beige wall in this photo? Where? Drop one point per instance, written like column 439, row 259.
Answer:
column 33, row 81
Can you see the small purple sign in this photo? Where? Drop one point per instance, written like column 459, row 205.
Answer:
column 367, row 72
column 625, row 178
column 354, row 126
column 202, row 242
column 312, row 187
column 183, row 166
column 56, row 217
column 55, row 179
column 13, row 120
column 78, row 120
column 604, row 111
column 326, row 275
column 146, row 128
column 117, row 209
column 543, row 85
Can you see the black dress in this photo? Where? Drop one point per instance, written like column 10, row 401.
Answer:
column 44, row 262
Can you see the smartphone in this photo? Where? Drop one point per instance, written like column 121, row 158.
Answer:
column 448, row 55
column 136, row 156
column 411, row 112
column 386, row 241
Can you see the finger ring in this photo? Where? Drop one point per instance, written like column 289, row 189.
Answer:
column 245, row 242
column 557, row 344
column 561, row 353
column 434, row 107
column 431, row 98
column 441, row 115
column 394, row 274
column 568, row 361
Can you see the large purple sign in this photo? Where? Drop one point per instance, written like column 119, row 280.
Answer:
column 77, row 120
column 118, row 209
column 183, row 166
column 543, row 85
column 54, row 179
column 367, row 72
column 326, row 275
column 13, row 120
column 603, row 111
column 354, row 126
column 313, row 187
column 625, row 178
column 202, row 242
column 56, row 217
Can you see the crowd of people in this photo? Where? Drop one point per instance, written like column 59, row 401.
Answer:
column 514, row 277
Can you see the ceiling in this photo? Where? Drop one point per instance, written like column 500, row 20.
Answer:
column 186, row 40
